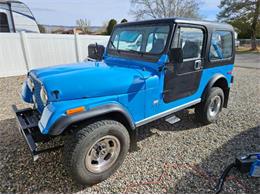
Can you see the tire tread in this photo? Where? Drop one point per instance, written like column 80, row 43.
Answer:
column 201, row 109
column 72, row 144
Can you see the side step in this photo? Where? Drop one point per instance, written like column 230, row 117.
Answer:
column 172, row 119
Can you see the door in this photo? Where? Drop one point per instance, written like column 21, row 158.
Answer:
column 183, row 79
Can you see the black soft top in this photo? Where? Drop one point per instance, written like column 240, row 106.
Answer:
column 207, row 24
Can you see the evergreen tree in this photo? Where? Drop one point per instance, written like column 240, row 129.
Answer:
column 110, row 26
column 235, row 11
column 124, row 21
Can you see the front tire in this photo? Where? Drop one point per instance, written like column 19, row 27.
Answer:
column 209, row 109
column 95, row 152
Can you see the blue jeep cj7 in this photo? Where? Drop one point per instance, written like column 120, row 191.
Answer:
column 148, row 71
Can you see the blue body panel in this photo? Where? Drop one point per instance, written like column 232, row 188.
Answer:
column 87, row 80
column 27, row 93
column 135, row 85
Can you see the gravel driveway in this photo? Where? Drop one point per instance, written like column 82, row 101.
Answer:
column 181, row 158
column 248, row 60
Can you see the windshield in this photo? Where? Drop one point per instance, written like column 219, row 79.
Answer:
column 140, row 39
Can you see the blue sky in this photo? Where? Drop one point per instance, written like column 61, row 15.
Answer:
column 66, row 12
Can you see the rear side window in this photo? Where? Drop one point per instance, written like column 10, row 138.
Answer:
column 23, row 18
column 221, row 45
column 4, row 26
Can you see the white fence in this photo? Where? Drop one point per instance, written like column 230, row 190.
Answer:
column 247, row 42
column 25, row 51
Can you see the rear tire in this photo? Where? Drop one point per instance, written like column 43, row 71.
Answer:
column 209, row 109
column 95, row 152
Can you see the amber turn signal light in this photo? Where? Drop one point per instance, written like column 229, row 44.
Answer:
column 75, row 110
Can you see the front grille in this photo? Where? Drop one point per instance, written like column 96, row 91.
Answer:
column 37, row 95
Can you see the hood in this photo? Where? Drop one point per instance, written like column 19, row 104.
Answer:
column 87, row 80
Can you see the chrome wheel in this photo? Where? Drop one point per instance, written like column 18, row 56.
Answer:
column 214, row 106
column 102, row 154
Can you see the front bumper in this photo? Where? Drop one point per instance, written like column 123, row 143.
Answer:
column 27, row 120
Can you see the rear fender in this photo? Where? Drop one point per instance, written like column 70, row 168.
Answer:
column 221, row 81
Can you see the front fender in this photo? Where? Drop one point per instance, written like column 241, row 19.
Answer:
column 62, row 123
column 57, row 123
column 26, row 94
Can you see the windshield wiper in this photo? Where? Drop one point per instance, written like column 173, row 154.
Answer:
column 113, row 45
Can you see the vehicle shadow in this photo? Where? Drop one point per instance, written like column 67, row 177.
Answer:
column 187, row 122
column 213, row 166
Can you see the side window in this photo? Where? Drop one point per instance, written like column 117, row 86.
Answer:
column 190, row 40
column 221, row 45
column 23, row 18
column 4, row 26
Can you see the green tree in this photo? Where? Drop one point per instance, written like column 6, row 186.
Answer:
column 124, row 21
column 242, row 13
column 243, row 28
column 110, row 26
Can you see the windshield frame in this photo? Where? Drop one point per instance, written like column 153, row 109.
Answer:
column 143, row 56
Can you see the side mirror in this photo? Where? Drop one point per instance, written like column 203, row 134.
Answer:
column 96, row 51
column 176, row 55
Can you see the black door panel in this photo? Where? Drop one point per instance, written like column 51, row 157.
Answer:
column 185, row 84
column 183, row 79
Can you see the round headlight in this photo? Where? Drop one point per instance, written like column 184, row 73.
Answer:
column 30, row 84
column 44, row 96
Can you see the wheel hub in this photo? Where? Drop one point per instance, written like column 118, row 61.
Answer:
column 214, row 106
column 102, row 154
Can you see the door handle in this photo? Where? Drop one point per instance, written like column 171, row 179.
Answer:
column 197, row 65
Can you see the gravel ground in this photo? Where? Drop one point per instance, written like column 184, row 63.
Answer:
column 181, row 158
column 248, row 60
